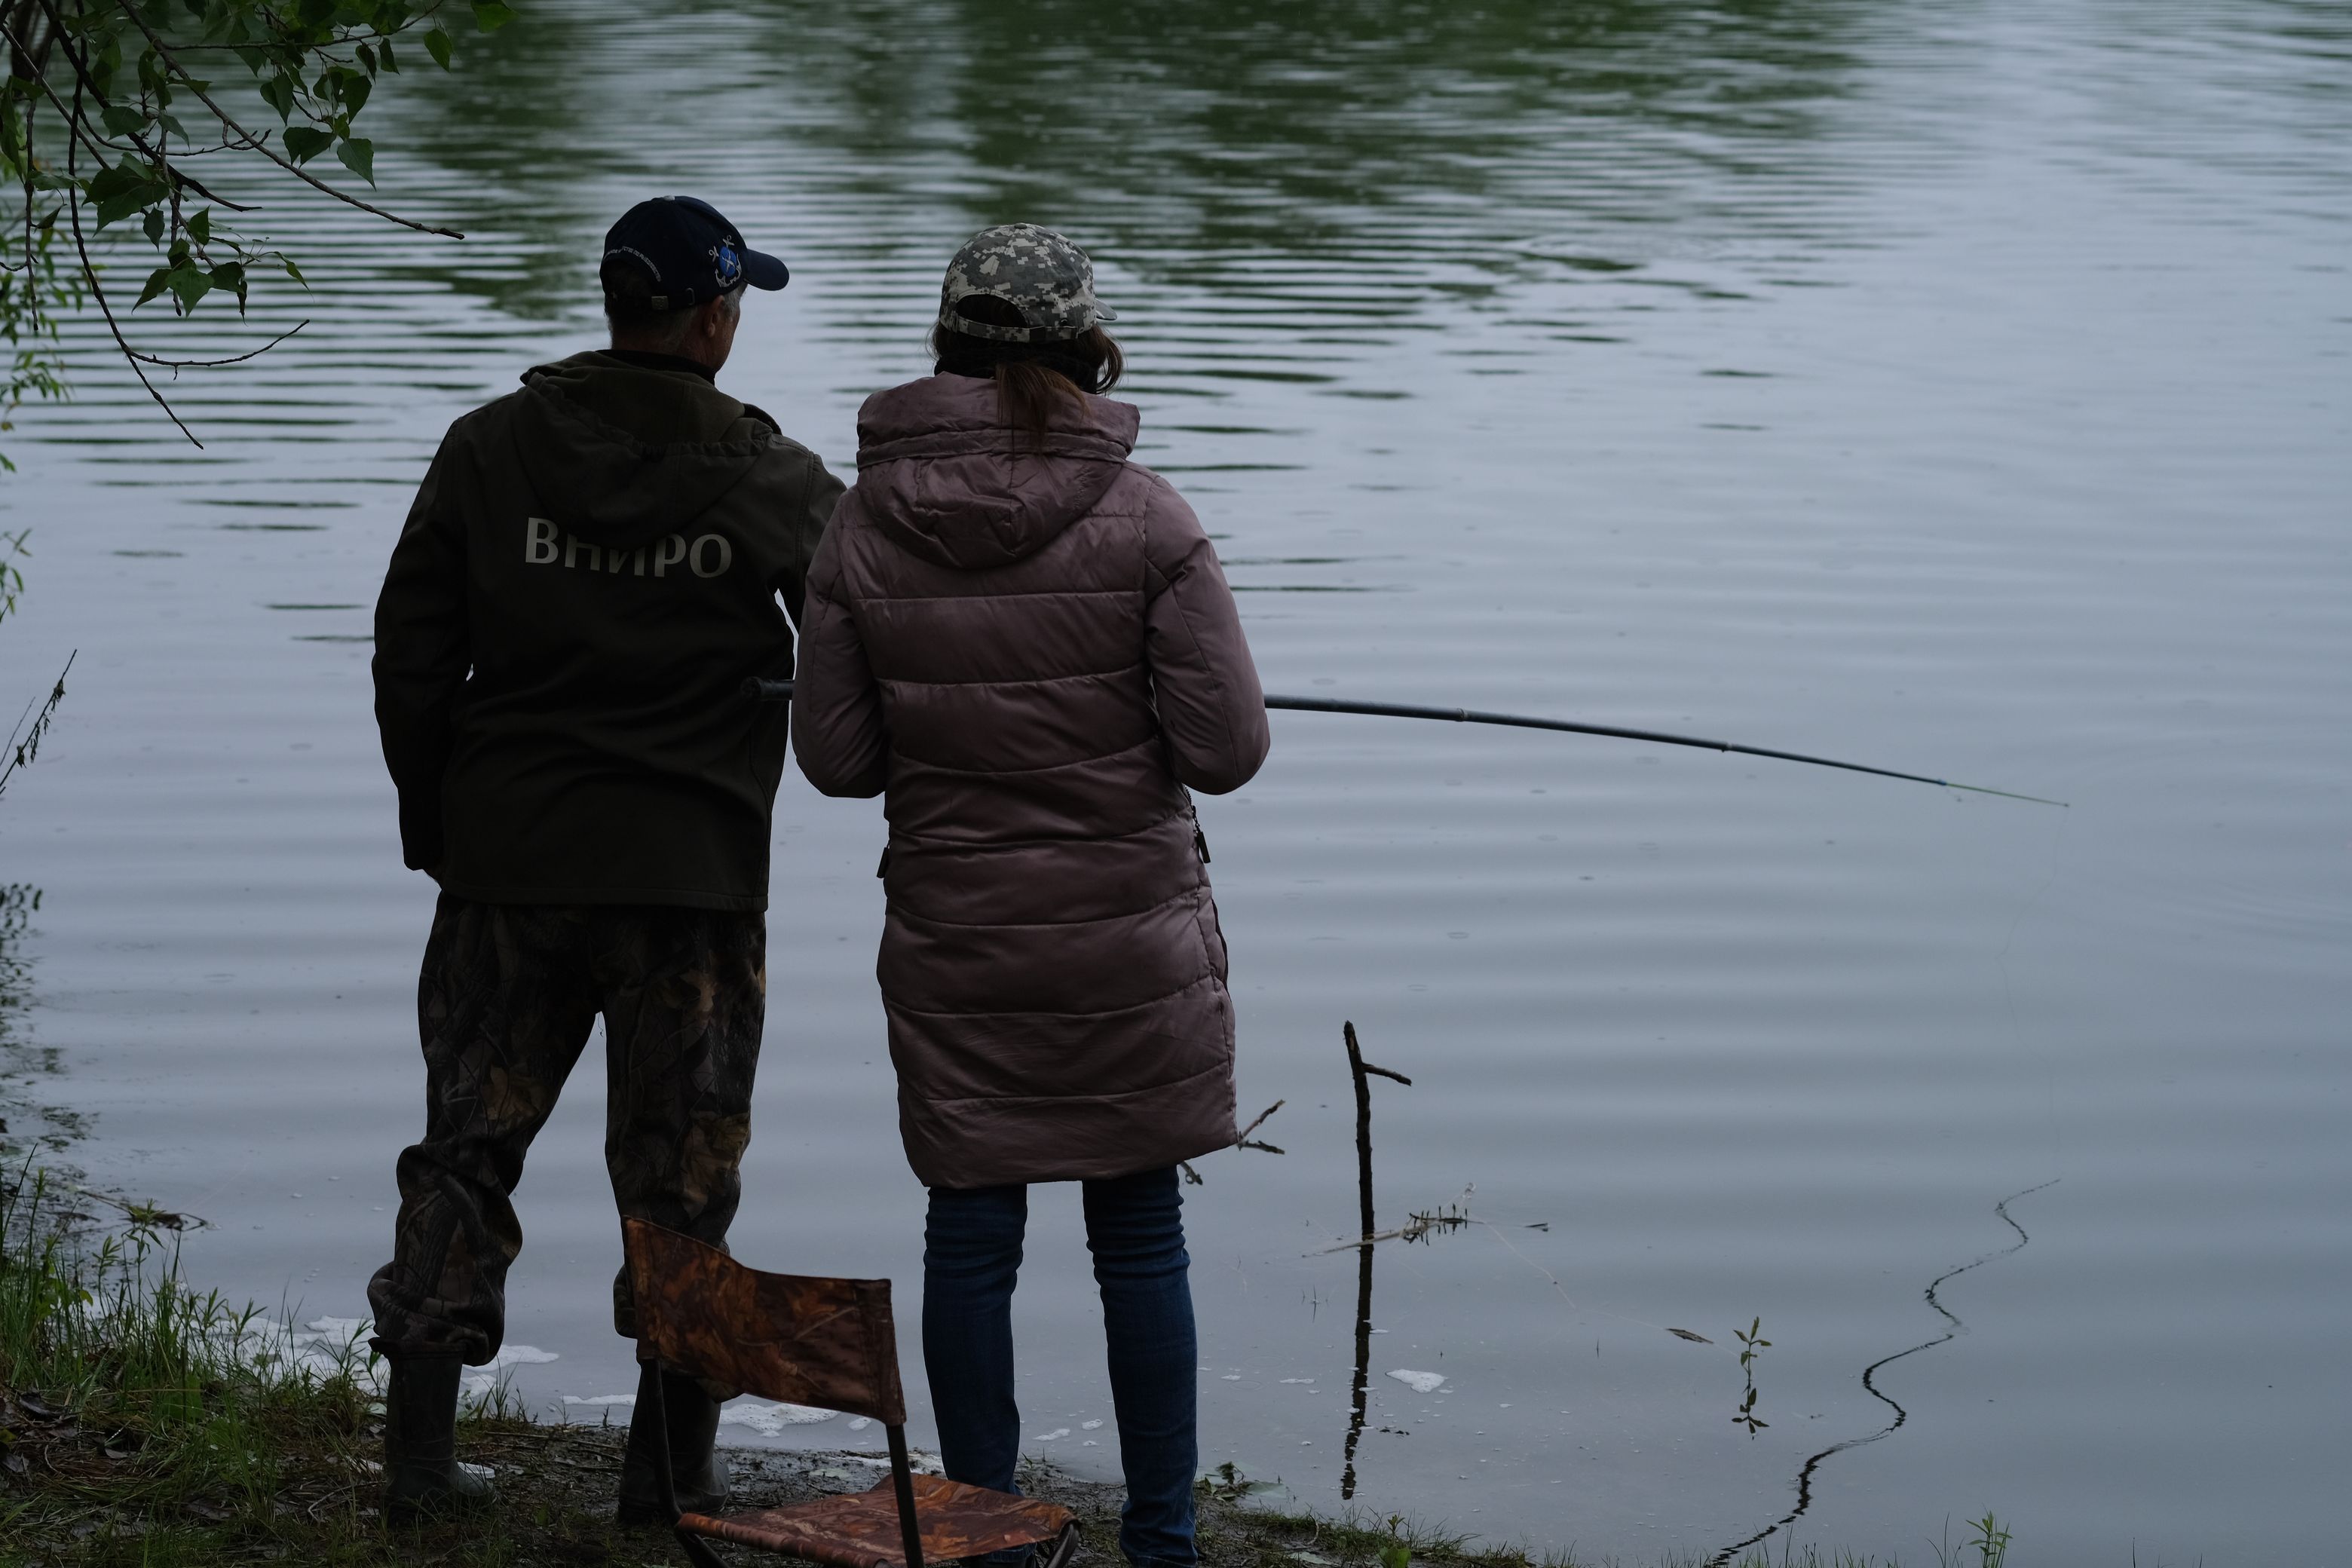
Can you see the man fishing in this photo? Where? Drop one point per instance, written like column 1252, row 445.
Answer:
column 592, row 568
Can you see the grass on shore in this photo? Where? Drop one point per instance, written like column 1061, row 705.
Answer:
column 144, row 1426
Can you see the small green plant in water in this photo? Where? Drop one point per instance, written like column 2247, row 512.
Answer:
column 1990, row 1540
column 1752, row 1343
column 1396, row 1551
column 1226, row 1483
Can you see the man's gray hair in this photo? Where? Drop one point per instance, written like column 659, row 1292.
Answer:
column 666, row 331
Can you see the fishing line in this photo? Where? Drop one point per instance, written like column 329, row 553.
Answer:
column 2009, row 986
column 1574, row 1305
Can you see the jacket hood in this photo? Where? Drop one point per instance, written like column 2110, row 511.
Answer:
column 622, row 454
column 940, row 471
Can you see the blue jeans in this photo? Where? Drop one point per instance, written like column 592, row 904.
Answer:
column 971, row 1256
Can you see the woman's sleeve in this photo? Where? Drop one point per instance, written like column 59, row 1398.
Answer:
column 838, row 732
column 1211, row 707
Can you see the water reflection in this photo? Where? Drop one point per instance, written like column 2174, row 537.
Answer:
column 29, row 1074
column 1953, row 1329
column 1327, row 171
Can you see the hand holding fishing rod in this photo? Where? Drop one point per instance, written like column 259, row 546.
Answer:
column 781, row 692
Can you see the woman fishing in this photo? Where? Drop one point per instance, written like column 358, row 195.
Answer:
column 1025, row 643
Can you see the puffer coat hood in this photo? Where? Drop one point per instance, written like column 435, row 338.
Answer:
column 934, row 464
column 1033, row 655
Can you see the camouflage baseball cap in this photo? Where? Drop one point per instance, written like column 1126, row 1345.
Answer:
column 1038, row 272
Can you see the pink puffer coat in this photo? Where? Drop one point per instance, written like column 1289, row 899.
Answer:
column 1034, row 656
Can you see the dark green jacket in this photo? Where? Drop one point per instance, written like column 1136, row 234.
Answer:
column 590, row 570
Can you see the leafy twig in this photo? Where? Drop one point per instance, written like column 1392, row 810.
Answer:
column 98, row 292
column 261, row 146
column 22, row 753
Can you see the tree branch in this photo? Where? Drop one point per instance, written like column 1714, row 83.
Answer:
column 215, row 363
column 98, row 292
column 31, row 745
column 100, row 145
column 172, row 62
column 180, row 176
column 76, row 130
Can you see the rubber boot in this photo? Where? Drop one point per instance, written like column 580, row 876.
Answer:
column 695, row 1467
column 422, row 1477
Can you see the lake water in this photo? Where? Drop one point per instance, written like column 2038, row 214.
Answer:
column 1958, row 388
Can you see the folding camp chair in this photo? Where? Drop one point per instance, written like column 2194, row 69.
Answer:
column 827, row 1342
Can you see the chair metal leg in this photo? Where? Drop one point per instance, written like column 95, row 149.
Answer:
column 1061, row 1549
column 697, row 1551
column 902, row 1480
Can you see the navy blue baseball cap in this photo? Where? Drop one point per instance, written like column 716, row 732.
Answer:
column 690, row 253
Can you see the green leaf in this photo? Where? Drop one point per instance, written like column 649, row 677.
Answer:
column 353, row 89
column 200, row 227
column 255, row 59
column 305, row 143
column 230, row 276
column 279, row 92
column 358, row 154
column 102, row 66
column 367, row 57
column 157, row 281
column 436, row 44
column 122, row 121
column 293, row 271
column 190, row 285
column 125, row 188
column 489, row 16
column 383, row 53
column 154, row 226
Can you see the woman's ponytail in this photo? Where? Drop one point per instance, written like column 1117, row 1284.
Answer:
column 1030, row 378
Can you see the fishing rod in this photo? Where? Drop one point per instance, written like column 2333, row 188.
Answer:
column 782, row 690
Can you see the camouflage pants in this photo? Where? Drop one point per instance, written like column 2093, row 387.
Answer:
column 509, row 995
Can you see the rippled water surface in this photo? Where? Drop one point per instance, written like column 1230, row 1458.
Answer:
column 1957, row 387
